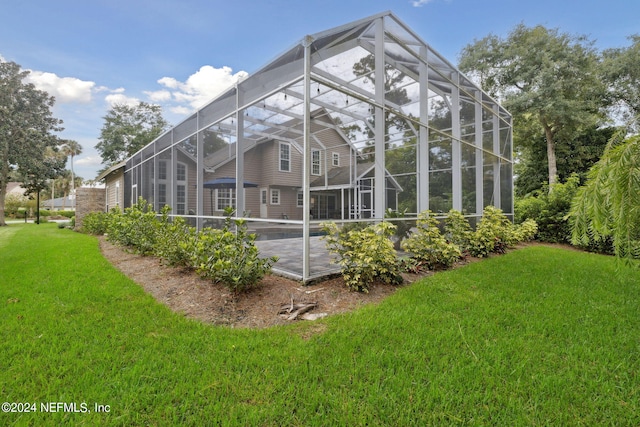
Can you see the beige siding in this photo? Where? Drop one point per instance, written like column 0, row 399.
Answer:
column 114, row 190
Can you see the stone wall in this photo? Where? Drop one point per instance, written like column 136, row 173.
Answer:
column 88, row 200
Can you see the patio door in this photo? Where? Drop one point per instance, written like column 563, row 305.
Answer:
column 263, row 202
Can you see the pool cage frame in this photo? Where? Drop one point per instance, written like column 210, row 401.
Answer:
column 391, row 98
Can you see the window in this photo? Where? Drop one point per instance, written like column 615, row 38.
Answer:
column 315, row 162
column 225, row 197
column 181, row 174
column 181, row 189
column 162, row 170
column 275, row 197
column 300, row 199
column 181, row 199
column 335, row 159
column 285, row 157
column 117, row 193
column 162, row 194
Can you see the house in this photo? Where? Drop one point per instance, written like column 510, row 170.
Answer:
column 67, row 203
column 113, row 178
column 344, row 125
column 340, row 185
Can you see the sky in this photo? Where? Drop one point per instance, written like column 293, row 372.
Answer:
column 93, row 54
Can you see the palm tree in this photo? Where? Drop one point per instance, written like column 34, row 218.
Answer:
column 72, row 148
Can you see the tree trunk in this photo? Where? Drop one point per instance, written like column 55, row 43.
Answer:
column 551, row 155
column 3, row 193
column 4, row 180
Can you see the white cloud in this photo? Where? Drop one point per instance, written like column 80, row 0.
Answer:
column 200, row 87
column 159, row 96
column 118, row 97
column 420, row 3
column 88, row 161
column 64, row 89
column 181, row 111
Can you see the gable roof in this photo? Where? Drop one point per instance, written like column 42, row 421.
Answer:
column 340, row 177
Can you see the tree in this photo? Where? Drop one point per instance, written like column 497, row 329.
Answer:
column 72, row 148
column 127, row 129
column 547, row 79
column 26, row 126
column 621, row 71
column 608, row 206
column 575, row 156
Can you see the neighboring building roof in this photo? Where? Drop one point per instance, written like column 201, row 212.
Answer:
column 15, row 188
column 58, row 203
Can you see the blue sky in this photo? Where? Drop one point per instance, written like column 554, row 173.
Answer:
column 91, row 54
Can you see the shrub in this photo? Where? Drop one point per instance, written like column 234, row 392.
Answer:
column 95, row 223
column 494, row 233
column 457, row 230
column 428, row 245
column 403, row 227
column 526, row 231
column 136, row 228
column 550, row 210
column 228, row 257
column 365, row 255
column 175, row 239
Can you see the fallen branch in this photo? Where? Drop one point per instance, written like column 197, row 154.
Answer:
column 310, row 292
column 292, row 310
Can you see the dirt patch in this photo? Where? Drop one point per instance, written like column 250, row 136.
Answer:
column 183, row 291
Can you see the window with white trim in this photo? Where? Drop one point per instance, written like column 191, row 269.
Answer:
column 300, row 199
column 275, row 196
column 335, row 159
column 285, row 157
column 181, row 189
column 225, row 197
column 315, row 162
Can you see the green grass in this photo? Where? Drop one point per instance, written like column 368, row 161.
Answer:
column 540, row 336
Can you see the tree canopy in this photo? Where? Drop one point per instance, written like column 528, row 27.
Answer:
column 548, row 80
column 127, row 129
column 621, row 71
column 26, row 132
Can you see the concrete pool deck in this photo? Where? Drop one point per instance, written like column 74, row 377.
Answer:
column 289, row 252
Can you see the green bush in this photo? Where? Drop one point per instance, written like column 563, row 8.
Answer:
column 365, row 255
column 457, row 230
column 229, row 257
column 494, row 233
column 526, row 231
column 67, row 214
column 175, row 239
column 95, row 223
column 136, row 228
column 549, row 209
column 427, row 244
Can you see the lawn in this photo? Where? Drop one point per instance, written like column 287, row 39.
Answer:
column 539, row 336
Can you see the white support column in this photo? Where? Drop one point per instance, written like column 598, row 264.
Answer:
column 496, row 162
column 422, row 151
column 200, row 172
column 479, row 156
column 306, row 160
column 456, row 150
column 171, row 178
column 379, row 192
column 239, row 153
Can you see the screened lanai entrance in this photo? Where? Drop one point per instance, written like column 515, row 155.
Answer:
column 370, row 92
